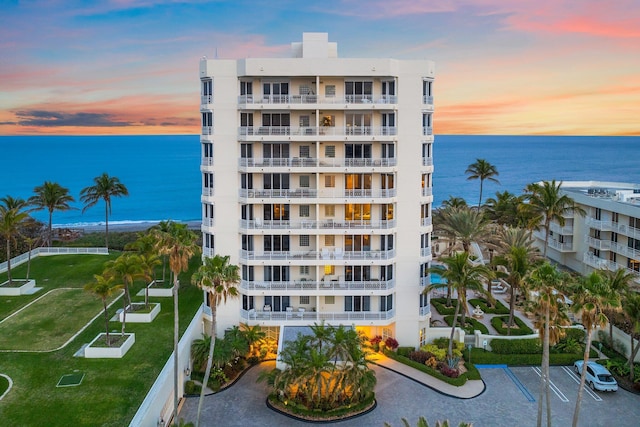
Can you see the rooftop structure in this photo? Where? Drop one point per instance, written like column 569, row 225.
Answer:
column 316, row 180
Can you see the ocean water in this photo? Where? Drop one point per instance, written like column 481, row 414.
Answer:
column 162, row 173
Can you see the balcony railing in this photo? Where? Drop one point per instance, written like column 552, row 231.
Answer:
column 424, row 311
column 208, row 191
column 598, row 224
column 427, row 191
column 207, row 130
column 208, row 222
column 313, row 131
column 425, row 251
column 562, row 247
column 207, row 161
column 427, row 99
column 208, row 252
column 321, row 285
column 566, row 230
column 324, row 254
column 259, row 224
column 314, row 162
column 313, row 316
column 603, row 264
column 206, row 101
column 427, row 130
column 425, row 281
column 426, row 221
column 314, row 99
column 604, row 245
column 313, row 193
column 427, row 161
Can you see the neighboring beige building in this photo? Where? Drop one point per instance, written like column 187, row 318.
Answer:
column 317, row 175
column 607, row 237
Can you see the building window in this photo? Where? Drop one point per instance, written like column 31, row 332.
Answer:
column 329, row 240
column 207, row 150
column 304, row 151
column 207, row 87
column 386, row 302
column 277, row 89
column 358, row 91
column 329, row 181
column 357, row 273
column 304, row 211
column 208, row 211
column 207, row 119
column 329, row 299
column 387, row 181
column 427, row 87
column 247, row 302
column 246, row 88
column 424, row 300
column 329, row 210
column 209, row 241
column 357, row 212
column 357, row 181
column 275, row 151
column 330, row 151
column 304, row 299
column 304, row 270
column 246, row 151
column 330, row 91
column 386, row 211
column 277, row 303
column 329, row 270
column 357, row 151
column 275, row 181
column 304, row 181
column 208, row 180
column 247, row 273
column 357, row 303
column 246, row 119
column 276, row 273
column 276, row 243
column 388, row 151
column 247, row 242
column 386, row 272
column 276, row 212
column 304, row 240
column 357, row 242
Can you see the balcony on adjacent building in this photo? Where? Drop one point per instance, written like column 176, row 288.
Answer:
column 425, row 251
column 303, row 162
column 427, row 161
column 425, row 311
column 427, row 191
column 206, row 102
column 561, row 246
column 567, row 230
column 427, row 130
column 598, row 224
column 207, row 130
column 603, row 245
column 309, row 193
column 425, row 222
column 248, row 100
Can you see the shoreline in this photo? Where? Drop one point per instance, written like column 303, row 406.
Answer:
column 123, row 226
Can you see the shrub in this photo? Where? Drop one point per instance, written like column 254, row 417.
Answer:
column 524, row 346
column 431, row 362
column 420, row 356
column 577, row 334
column 191, row 387
column 404, row 351
column 448, row 371
column 435, row 351
column 499, row 323
column 391, row 343
column 441, row 307
column 471, row 324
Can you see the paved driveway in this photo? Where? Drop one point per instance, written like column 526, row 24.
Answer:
column 506, row 402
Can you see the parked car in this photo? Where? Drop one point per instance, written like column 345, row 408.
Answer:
column 598, row 377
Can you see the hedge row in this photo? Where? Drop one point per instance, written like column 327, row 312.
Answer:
column 523, row 346
column 475, row 325
column 522, row 328
column 479, row 356
column 461, row 380
column 441, row 306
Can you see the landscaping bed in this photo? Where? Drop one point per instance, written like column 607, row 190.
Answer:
column 499, row 323
column 471, row 324
column 482, row 303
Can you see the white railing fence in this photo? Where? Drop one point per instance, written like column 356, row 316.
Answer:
column 44, row 251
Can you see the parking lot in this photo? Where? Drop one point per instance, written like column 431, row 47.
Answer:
column 510, row 399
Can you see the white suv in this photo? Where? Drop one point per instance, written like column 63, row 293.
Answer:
column 598, row 377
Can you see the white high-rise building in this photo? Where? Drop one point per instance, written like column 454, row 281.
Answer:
column 607, row 237
column 317, row 181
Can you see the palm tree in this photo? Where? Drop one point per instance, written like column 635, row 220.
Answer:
column 546, row 203
column 126, row 268
column 460, row 276
column 631, row 307
column 517, row 254
column 253, row 334
column 53, row 197
column 10, row 221
column 619, row 281
column 148, row 263
column 218, row 279
column 503, row 209
column 548, row 282
column 105, row 188
column 462, row 225
column 179, row 244
column 482, row 170
column 454, row 202
column 103, row 287
column 592, row 295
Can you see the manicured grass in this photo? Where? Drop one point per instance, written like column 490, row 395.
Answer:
column 519, row 327
column 51, row 272
column 482, row 303
column 112, row 389
column 50, row 321
column 4, row 385
column 471, row 324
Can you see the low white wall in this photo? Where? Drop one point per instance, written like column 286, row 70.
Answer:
column 620, row 335
column 159, row 401
column 22, row 258
column 434, row 333
column 481, row 338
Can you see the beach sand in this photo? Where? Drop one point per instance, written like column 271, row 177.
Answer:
column 127, row 226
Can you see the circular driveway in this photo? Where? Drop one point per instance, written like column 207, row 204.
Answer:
column 504, row 403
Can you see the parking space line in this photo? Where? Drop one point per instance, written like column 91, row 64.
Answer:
column 513, row 378
column 552, row 386
column 574, row 376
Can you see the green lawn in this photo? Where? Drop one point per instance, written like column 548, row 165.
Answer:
column 50, row 321
column 112, row 389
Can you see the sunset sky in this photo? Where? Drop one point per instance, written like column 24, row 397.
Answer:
column 502, row 66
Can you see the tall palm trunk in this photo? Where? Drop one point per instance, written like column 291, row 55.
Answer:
column 106, row 320
column 512, row 307
column 207, row 372
column 453, row 330
column 547, row 224
column 583, row 377
column 106, row 226
column 50, row 236
column 124, row 313
column 544, row 373
column 176, row 338
column 9, row 260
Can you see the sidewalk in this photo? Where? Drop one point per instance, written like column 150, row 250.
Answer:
column 471, row 389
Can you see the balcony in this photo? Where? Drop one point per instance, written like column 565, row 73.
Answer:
column 427, row 161
column 567, row 230
column 427, row 99
column 208, row 252
column 598, row 224
column 322, row 255
column 425, row 311
column 253, row 317
column 206, row 161
column 313, row 162
column 425, row 222
column 427, row 130
column 321, row 285
column 425, row 281
column 206, row 102
column 427, row 191
column 207, row 130
column 208, row 191
column 258, row 224
column 603, row 245
column 260, row 131
column 603, row 264
column 207, row 223
column 425, row 251
column 562, row 247
column 626, row 230
column 308, row 193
